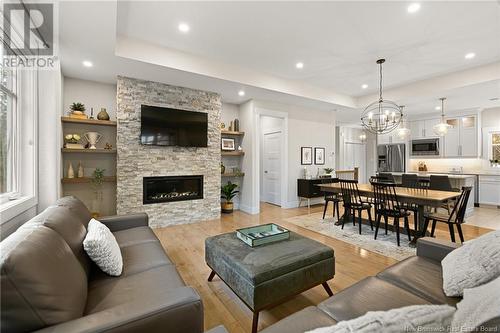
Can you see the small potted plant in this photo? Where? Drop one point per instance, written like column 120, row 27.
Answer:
column 77, row 111
column 228, row 192
column 495, row 163
column 328, row 171
column 97, row 180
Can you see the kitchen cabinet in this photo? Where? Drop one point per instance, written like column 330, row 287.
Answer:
column 390, row 138
column 421, row 129
column 489, row 190
column 461, row 139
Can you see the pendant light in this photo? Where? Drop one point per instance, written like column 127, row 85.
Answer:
column 442, row 128
column 403, row 130
column 381, row 116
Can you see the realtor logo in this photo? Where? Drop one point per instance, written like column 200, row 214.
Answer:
column 28, row 29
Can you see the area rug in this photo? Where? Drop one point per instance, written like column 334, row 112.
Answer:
column 384, row 244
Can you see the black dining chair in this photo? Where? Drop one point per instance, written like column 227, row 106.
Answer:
column 353, row 202
column 409, row 180
column 413, row 182
column 334, row 198
column 389, row 206
column 386, row 177
column 442, row 183
column 456, row 217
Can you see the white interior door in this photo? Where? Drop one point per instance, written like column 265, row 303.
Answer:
column 272, row 168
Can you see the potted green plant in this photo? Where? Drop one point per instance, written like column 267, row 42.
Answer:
column 97, row 180
column 328, row 171
column 77, row 108
column 228, row 192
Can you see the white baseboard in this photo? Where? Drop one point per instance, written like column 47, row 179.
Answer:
column 249, row 209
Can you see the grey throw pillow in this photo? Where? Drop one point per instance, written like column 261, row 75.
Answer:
column 102, row 248
column 414, row 318
column 474, row 263
column 478, row 306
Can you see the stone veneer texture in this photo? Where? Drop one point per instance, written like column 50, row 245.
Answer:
column 135, row 161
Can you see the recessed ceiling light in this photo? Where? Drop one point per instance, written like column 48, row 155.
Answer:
column 494, row 99
column 241, row 93
column 183, row 27
column 299, row 65
column 364, row 86
column 87, row 63
column 470, row 55
column 413, row 8
column 437, row 108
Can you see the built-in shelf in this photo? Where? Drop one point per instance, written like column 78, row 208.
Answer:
column 89, row 151
column 232, row 153
column 241, row 174
column 232, row 133
column 88, row 121
column 111, row 179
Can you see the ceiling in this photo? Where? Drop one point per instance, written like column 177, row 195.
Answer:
column 254, row 46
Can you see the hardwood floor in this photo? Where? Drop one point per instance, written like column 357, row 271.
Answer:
column 185, row 246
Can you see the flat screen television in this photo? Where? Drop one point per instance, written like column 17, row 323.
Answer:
column 173, row 127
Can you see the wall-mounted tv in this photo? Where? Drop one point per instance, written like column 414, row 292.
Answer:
column 173, row 127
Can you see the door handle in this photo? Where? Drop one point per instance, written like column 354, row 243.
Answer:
column 265, row 171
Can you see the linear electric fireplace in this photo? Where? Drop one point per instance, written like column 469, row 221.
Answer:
column 172, row 188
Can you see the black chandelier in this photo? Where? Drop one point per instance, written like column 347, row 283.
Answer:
column 381, row 116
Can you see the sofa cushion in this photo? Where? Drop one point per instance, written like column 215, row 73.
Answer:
column 136, row 259
column 370, row 294
column 476, row 262
column 413, row 318
column 42, row 282
column 135, row 236
column 102, row 248
column 113, row 291
column 77, row 207
column 420, row 276
column 302, row 321
column 64, row 221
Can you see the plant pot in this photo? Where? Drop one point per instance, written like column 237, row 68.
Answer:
column 227, row 207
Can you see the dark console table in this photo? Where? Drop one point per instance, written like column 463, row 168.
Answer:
column 307, row 188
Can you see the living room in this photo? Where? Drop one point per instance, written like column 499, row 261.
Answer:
column 250, row 166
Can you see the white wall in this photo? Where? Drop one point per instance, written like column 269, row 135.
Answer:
column 248, row 195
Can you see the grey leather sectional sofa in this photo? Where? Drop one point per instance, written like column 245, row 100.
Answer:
column 413, row 281
column 48, row 284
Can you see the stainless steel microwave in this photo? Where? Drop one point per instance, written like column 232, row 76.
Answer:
column 425, row 147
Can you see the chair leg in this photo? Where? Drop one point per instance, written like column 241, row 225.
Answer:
column 377, row 224
column 425, row 226
column 360, row 221
column 407, row 226
column 460, row 233
column 415, row 220
column 353, row 217
column 396, row 226
column 326, row 207
column 386, row 221
column 337, row 207
column 452, row 232
column 370, row 217
column 345, row 216
column 433, row 228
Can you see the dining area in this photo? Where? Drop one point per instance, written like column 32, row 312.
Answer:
column 410, row 206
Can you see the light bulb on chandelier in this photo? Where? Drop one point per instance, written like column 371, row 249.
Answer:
column 442, row 128
column 403, row 131
column 381, row 116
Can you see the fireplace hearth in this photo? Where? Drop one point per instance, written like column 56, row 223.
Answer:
column 172, row 188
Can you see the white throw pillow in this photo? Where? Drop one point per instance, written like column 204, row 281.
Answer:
column 101, row 246
column 414, row 318
column 474, row 263
column 479, row 305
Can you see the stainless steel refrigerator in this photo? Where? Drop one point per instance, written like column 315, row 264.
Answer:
column 391, row 158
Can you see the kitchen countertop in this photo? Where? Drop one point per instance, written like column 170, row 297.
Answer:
column 427, row 174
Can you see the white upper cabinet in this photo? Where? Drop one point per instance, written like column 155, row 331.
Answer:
column 421, row 129
column 390, row 138
column 461, row 139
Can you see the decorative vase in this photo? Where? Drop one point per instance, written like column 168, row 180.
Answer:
column 96, row 205
column 71, row 172
column 92, row 138
column 227, row 207
column 230, row 126
column 103, row 115
column 236, row 125
column 80, row 170
column 222, row 168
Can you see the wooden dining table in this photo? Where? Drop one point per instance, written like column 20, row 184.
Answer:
column 419, row 197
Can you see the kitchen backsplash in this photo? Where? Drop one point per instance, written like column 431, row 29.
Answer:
column 446, row 164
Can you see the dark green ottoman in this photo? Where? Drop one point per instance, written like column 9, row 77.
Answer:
column 265, row 276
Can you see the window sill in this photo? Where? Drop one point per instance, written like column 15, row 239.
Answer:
column 13, row 208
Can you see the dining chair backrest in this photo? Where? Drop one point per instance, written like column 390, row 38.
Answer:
column 386, row 197
column 458, row 213
column 440, row 183
column 387, row 177
column 350, row 192
column 410, row 180
column 379, row 179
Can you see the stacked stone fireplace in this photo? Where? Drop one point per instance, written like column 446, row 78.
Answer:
column 173, row 185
